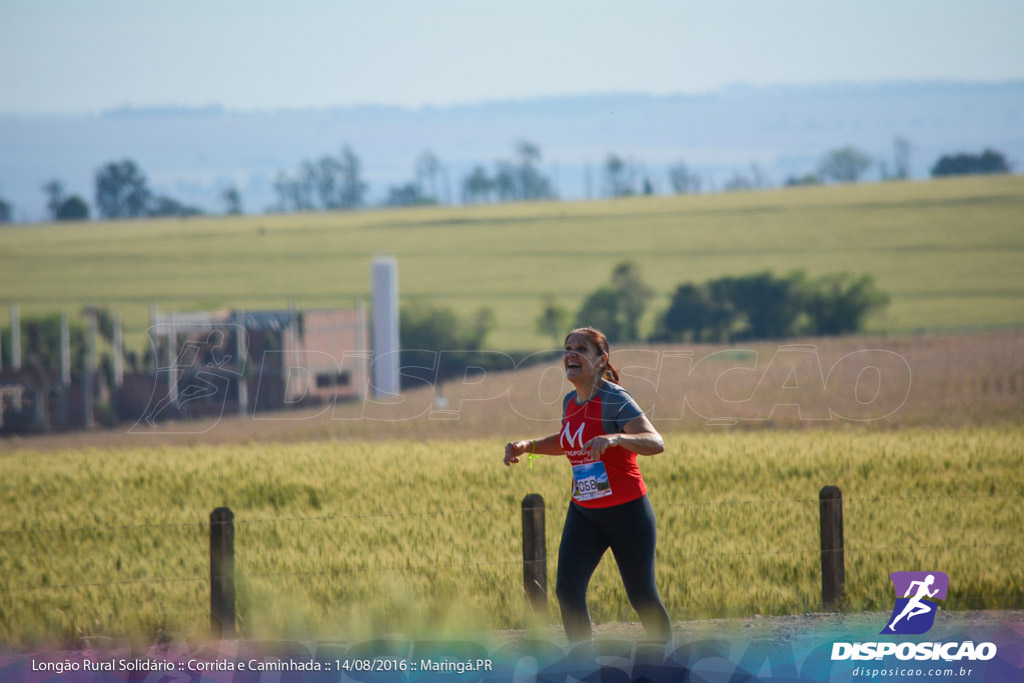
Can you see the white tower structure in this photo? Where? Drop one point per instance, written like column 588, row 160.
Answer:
column 385, row 326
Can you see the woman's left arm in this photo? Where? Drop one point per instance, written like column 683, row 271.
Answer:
column 638, row 435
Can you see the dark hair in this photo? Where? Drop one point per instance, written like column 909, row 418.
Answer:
column 600, row 341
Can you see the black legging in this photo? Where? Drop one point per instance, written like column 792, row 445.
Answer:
column 630, row 531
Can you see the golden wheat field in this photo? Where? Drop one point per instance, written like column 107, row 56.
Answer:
column 357, row 538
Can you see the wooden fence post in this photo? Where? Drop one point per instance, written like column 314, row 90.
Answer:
column 833, row 572
column 535, row 563
column 222, row 572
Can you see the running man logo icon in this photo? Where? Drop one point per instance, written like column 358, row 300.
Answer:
column 917, row 597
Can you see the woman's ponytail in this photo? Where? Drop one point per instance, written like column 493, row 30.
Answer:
column 610, row 373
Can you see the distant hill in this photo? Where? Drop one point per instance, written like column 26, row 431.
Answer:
column 192, row 154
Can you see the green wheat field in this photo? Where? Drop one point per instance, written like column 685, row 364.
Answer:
column 949, row 252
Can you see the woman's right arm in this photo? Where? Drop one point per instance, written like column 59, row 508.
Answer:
column 548, row 445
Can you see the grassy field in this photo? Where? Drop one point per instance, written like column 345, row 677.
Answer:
column 355, row 538
column 949, row 252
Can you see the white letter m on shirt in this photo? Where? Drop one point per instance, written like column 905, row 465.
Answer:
column 569, row 439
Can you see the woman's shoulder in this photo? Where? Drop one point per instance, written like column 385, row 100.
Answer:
column 618, row 402
column 614, row 390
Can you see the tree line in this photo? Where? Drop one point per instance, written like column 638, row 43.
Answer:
column 849, row 164
column 726, row 309
column 335, row 182
column 121, row 191
column 735, row 308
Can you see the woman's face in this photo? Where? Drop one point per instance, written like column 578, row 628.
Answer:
column 583, row 361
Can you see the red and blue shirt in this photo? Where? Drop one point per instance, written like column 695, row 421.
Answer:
column 615, row 478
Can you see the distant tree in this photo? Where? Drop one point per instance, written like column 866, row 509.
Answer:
column 692, row 316
column 480, row 326
column 296, row 193
column 527, row 152
column 989, row 161
column 992, row 161
column 403, row 195
column 840, row 303
column 6, row 211
column 758, row 306
column 805, row 179
column 553, row 320
column 309, row 186
column 901, row 158
column 73, row 208
column 166, row 206
column 683, row 180
column 430, row 329
column 477, row 186
column 424, row 190
column 737, row 183
column 633, row 294
column 506, row 182
column 758, row 178
column 766, row 307
column 844, row 165
column 328, row 183
column 618, row 176
column 121, row 190
column 532, row 184
column 408, row 195
column 763, row 306
column 292, row 194
column 282, row 188
column 617, row 308
column 353, row 189
column 426, row 328
column 447, row 180
column 428, row 171
column 601, row 310
column 324, row 179
column 232, row 199
column 54, row 191
column 516, row 180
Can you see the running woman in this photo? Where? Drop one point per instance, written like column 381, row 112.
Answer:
column 603, row 431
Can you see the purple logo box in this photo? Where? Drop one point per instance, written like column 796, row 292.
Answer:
column 917, row 598
column 901, row 582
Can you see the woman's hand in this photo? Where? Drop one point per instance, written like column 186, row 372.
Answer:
column 639, row 436
column 596, row 447
column 513, row 450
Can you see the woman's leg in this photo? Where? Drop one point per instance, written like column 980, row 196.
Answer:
column 579, row 553
column 633, row 540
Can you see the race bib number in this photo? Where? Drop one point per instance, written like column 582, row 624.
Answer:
column 589, row 481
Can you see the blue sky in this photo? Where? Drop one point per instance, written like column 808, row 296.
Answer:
column 70, row 56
